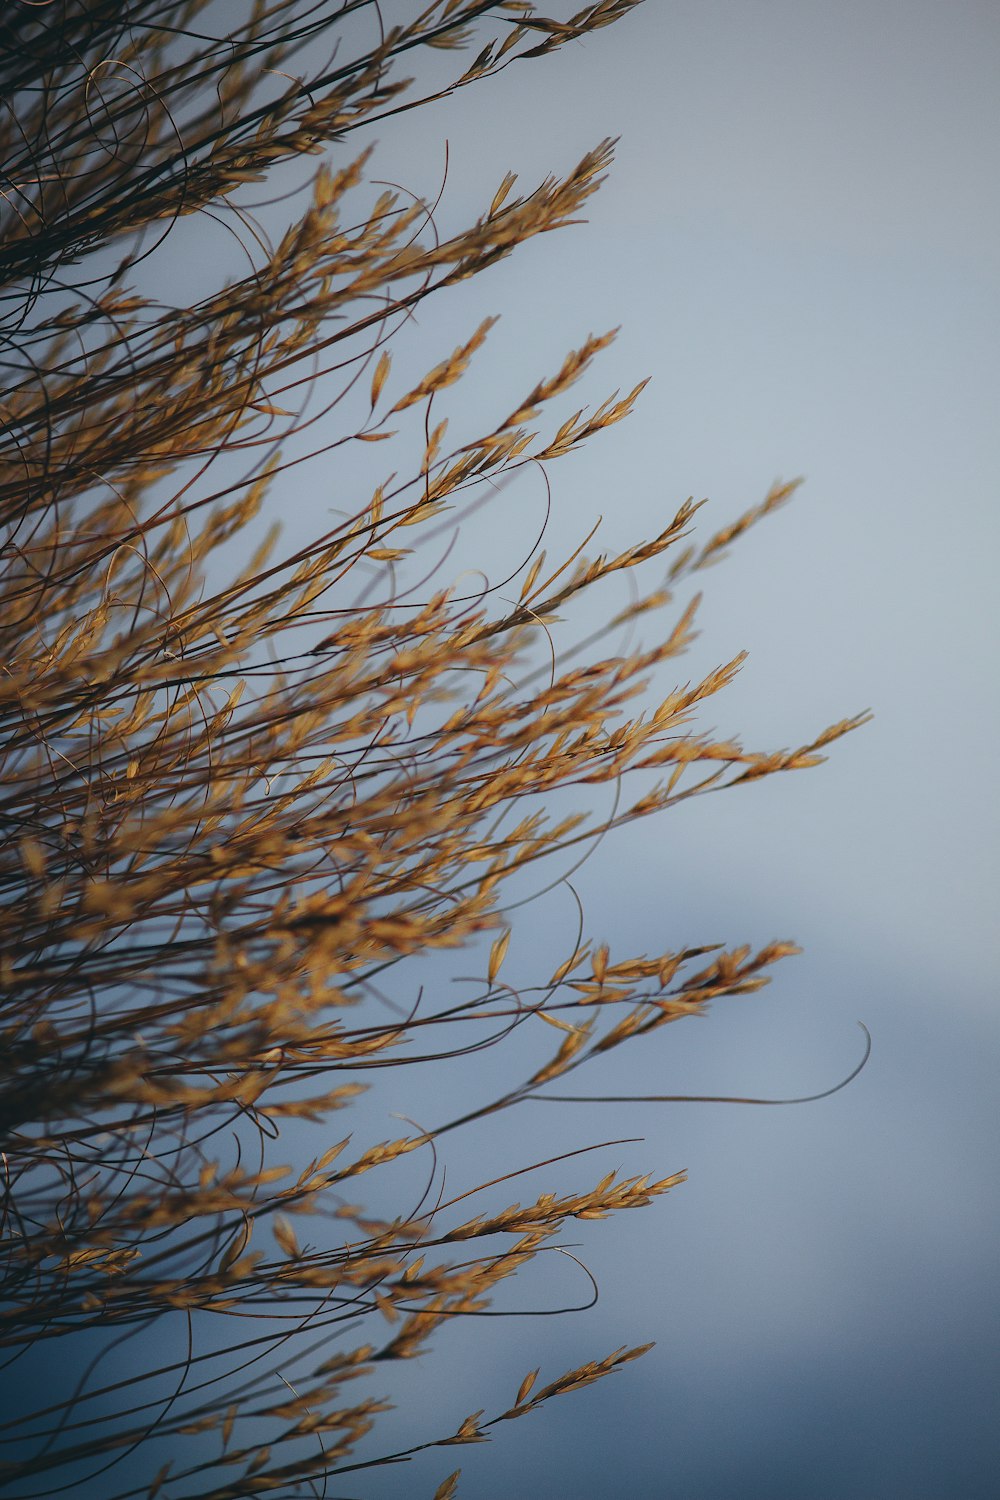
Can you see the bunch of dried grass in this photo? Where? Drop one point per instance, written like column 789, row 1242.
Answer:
column 235, row 801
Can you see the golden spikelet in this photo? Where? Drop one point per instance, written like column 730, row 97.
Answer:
column 242, row 793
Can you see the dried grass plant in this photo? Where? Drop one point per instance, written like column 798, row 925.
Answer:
column 239, row 796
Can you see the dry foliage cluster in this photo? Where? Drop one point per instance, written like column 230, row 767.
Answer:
column 239, row 791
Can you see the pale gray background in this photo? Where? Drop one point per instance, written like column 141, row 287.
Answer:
column 800, row 239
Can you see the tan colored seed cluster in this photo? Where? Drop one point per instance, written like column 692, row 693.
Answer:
column 243, row 786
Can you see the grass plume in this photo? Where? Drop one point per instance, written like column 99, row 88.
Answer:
column 242, row 788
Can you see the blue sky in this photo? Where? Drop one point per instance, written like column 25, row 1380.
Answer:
column 800, row 240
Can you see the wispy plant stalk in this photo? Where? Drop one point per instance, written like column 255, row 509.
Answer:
column 240, row 788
